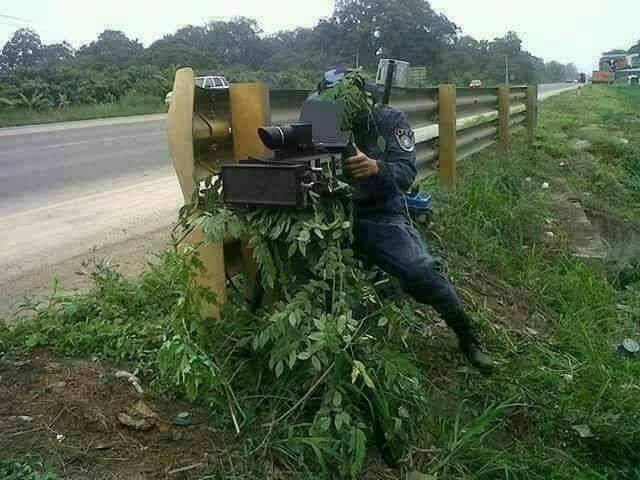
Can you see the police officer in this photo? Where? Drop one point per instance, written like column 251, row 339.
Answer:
column 383, row 232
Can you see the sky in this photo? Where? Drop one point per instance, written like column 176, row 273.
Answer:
column 563, row 30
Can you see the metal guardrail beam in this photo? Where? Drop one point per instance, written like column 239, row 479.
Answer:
column 476, row 115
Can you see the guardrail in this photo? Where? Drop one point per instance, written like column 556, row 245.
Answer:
column 449, row 123
column 206, row 128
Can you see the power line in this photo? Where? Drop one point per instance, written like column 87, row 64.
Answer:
column 9, row 17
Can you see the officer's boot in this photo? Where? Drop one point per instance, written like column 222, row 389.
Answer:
column 469, row 342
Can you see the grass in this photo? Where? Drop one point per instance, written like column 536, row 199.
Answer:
column 124, row 107
column 550, row 319
column 28, row 468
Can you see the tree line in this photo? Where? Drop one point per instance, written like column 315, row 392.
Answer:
column 358, row 33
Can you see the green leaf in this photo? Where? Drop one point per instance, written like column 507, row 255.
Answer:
column 360, row 451
column 324, row 423
column 316, row 336
column 342, row 323
column 338, row 421
column 279, row 369
column 292, row 358
column 304, row 355
column 293, row 320
column 316, row 363
column 362, row 371
column 383, row 321
column 304, row 236
column 337, row 398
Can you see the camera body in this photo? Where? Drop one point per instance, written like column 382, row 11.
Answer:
column 307, row 156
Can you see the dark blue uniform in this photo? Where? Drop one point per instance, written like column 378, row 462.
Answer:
column 382, row 229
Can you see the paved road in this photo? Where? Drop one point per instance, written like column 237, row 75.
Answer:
column 70, row 187
column 44, row 164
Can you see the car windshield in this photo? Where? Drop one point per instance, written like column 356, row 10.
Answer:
column 199, row 82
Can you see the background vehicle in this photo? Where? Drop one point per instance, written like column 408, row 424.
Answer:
column 210, row 82
column 601, row 77
column 475, row 84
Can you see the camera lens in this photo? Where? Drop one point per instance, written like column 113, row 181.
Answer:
column 287, row 137
column 275, row 138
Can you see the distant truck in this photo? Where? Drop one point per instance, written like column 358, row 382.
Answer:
column 601, row 77
column 582, row 78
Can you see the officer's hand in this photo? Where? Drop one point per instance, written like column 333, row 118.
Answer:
column 360, row 166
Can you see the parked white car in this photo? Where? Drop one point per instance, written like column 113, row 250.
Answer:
column 210, row 82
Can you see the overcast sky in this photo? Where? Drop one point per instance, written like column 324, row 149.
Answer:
column 563, row 30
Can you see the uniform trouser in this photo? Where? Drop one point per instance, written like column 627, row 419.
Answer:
column 396, row 247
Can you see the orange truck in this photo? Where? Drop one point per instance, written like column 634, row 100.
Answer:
column 601, row 77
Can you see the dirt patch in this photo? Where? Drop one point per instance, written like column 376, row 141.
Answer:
column 130, row 256
column 65, row 410
column 505, row 305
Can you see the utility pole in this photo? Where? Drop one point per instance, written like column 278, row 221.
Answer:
column 506, row 70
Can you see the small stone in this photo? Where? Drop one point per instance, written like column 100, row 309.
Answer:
column 550, row 234
column 630, row 345
column 183, row 414
column 568, row 378
column 545, row 185
column 142, row 408
column 584, row 431
column 531, row 331
column 138, row 417
column 141, row 424
column 59, row 437
column 562, row 164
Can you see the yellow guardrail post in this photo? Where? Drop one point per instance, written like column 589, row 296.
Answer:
column 447, row 142
column 532, row 111
column 180, row 132
column 250, row 110
column 504, row 113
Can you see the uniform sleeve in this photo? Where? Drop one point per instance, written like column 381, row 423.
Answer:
column 398, row 166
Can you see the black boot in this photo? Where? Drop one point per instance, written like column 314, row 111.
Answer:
column 469, row 342
column 476, row 353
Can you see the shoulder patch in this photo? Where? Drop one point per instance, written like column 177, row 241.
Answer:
column 405, row 138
